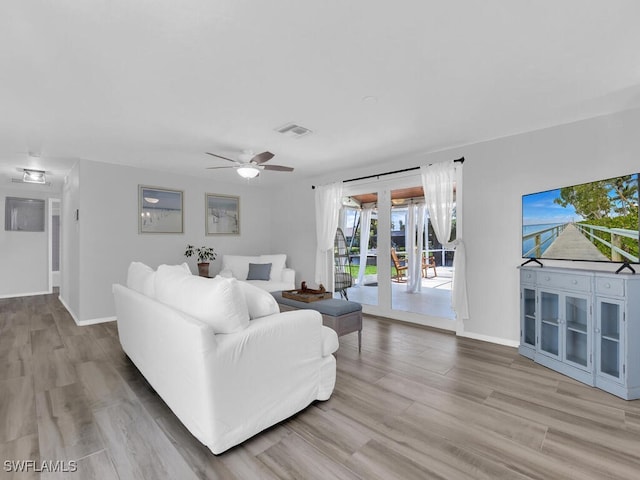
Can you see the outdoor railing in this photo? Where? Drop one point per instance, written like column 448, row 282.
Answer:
column 439, row 252
column 372, row 257
column 539, row 243
column 617, row 254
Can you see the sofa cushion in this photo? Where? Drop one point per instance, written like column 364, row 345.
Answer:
column 259, row 271
column 260, row 303
column 141, row 278
column 182, row 268
column 219, row 302
column 277, row 262
column 238, row 265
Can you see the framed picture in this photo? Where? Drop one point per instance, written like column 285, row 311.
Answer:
column 24, row 214
column 159, row 210
column 222, row 214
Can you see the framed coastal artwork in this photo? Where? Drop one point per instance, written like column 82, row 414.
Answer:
column 222, row 214
column 159, row 210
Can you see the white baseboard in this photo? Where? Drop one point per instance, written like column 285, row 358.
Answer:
column 487, row 338
column 93, row 321
column 30, row 294
column 411, row 317
column 82, row 323
column 64, row 304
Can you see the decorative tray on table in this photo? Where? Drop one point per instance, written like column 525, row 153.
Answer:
column 307, row 295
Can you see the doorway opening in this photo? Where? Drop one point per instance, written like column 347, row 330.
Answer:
column 384, row 216
column 424, row 283
column 54, row 243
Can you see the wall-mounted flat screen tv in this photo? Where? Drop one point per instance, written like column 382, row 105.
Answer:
column 595, row 222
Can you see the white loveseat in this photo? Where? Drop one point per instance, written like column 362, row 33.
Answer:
column 219, row 354
column 279, row 276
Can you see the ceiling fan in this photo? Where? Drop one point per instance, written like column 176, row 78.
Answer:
column 250, row 165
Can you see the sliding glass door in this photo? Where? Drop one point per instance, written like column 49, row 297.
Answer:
column 384, row 241
column 421, row 282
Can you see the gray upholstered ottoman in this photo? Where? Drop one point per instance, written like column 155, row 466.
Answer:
column 342, row 316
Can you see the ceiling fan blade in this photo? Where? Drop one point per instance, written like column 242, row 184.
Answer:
column 262, row 157
column 278, row 168
column 220, row 156
column 215, row 168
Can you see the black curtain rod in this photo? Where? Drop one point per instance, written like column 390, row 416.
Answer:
column 459, row 160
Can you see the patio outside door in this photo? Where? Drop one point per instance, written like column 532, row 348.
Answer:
column 436, row 270
column 377, row 292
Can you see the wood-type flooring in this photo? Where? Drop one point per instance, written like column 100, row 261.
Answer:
column 415, row 404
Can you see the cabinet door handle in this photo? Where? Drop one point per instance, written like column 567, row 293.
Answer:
column 597, row 330
column 607, row 285
column 575, row 282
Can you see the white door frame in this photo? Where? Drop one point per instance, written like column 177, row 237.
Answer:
column 52, row 206
column 383, row 188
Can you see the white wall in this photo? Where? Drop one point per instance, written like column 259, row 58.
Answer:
column 108, row 229
column 498, row 173
column 70, row 236
column 24, row 256
column 495, row 176
column 294, row 228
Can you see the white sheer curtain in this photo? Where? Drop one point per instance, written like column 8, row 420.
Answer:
column 438, row 181
column 365, row 228
column 414, row 244
column 328, row 204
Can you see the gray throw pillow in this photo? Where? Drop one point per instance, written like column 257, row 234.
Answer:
column 259, row 271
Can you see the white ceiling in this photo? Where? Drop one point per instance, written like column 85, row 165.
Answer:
column 155, row 83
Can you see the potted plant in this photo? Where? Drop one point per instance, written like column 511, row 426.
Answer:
column 204, row 254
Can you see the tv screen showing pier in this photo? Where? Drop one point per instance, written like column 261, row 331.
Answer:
column 595, row 222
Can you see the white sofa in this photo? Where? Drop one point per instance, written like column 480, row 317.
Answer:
column 220, row 354
column 280, row 277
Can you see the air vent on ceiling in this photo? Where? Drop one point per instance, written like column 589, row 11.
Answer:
column 293, row 130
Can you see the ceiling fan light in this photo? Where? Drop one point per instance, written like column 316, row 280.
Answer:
column 248, row 171
column 34, row 176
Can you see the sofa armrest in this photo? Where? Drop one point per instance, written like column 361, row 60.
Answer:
column 277, row 358
column 269, row 340
column 168, row 347
column 289, row 276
